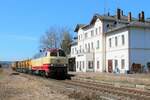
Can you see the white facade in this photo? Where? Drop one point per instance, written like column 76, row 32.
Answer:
column 73, row 51
column 117, row 51
column 102, row 46
column 89, row 48
column 134, row 48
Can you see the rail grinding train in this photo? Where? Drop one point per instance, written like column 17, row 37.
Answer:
column 50, row 63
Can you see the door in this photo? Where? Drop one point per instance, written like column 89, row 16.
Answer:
column 110, row 67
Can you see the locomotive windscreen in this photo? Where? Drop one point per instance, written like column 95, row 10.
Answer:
column 62, row 53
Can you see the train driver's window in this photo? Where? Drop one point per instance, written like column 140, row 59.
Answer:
column 61, row 53
column 54, row 53
column 45, row 54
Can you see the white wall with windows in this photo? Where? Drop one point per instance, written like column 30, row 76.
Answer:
column 117, row 51
column 127, row 46
column 74, row 50
column 89, row 47
column 106, row 45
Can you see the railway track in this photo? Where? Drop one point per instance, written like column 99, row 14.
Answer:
column 120, row 92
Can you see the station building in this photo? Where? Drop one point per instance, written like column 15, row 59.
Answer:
column 112, row 43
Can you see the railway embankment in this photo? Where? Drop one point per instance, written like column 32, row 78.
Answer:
column 89, row 86
column 14, row 86
column 20, row 86
column 136, row 81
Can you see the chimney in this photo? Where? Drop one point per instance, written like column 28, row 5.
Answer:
column 139, row 17
column 129, row 17
column 108, row 14
column 118, row 13
column 142, row 16
column 122, row 13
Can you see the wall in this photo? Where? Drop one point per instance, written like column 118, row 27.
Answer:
column 88, row 53
column 118, row 52
column 139, row 46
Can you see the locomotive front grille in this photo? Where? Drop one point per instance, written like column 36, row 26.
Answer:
column 58, row 65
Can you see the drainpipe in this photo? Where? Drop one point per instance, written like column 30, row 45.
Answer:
column 103, row 50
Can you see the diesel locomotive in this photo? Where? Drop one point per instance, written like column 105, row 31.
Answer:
column 50, row 63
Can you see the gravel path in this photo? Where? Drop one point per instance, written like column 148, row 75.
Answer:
column 15, row 86
column 19, row 87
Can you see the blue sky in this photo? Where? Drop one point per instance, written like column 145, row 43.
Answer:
column 22, row 22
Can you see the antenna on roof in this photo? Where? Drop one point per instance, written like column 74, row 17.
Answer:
column 117, row 3
column 105, row 6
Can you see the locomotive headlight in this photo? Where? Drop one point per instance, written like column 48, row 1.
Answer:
column 52, row 64
column 65, row 65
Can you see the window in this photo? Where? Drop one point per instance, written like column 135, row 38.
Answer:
column 110, row 42
column 80, row 65
column 97, row 44
column 54, row 53
column 72, row 50
column 75, row 50
column 123, row 39
column 88, row 47
column 97, row 64
column 80, row 48
column 46, row 54
column 116, row 64
column 86, row 35
column 85, row 46
column 92, row 33
column 77, row 64
column 61, row 53
column 99, row 30
column 122, row 63
column 83, row 64
column 90, row 64
column 96, row 31
column 92, row 47
column 116, row 41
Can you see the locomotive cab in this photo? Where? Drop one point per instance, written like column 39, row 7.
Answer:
column 57, row 63
column 51, row 62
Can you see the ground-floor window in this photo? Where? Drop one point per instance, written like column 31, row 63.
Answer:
column 97, row 64
column 77, row 64
column 90, row 64
column 83, row 64
column 122, row 64
column 80, row 65
column 116, row 64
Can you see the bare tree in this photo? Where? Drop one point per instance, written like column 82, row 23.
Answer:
column 66, row 40
column 57, row 38
column 49, row 39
